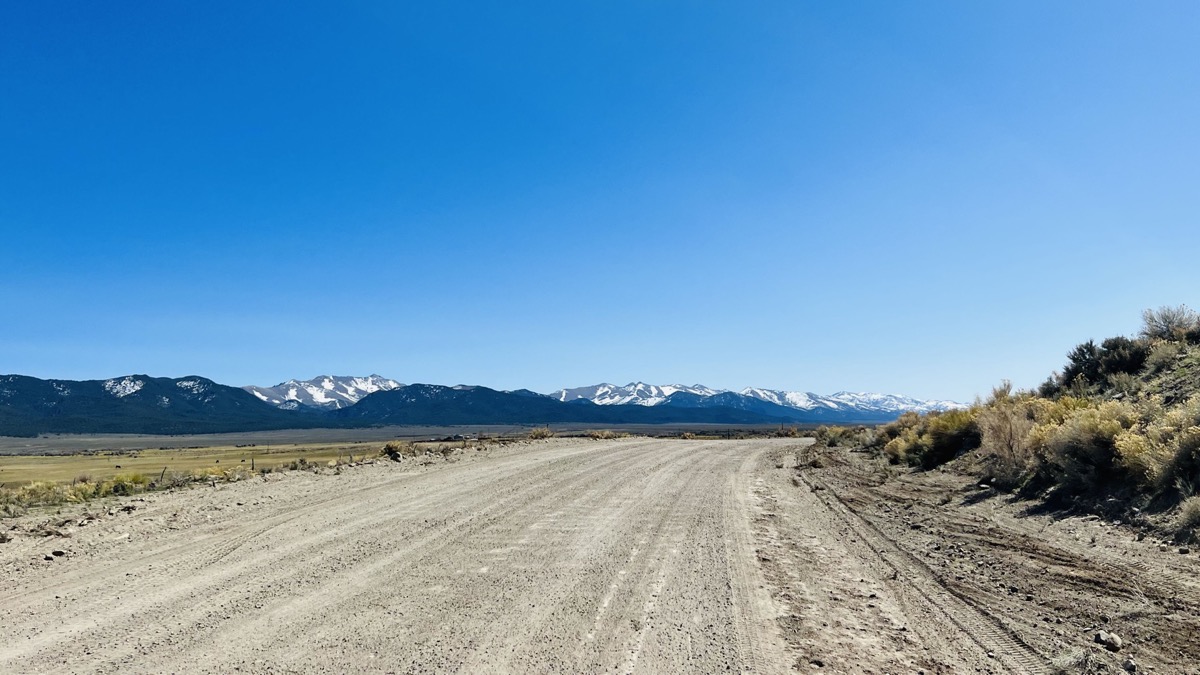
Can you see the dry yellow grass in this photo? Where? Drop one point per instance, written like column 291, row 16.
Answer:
column 19, row 470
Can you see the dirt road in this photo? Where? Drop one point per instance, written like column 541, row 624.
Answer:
column 571, row 556
column 633, row 555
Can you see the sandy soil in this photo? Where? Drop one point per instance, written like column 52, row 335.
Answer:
column 634, row 555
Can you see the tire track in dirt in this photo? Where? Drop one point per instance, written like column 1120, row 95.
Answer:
column 213, row 547
column 754, row 608
column 1055, row 578
column 975, row 625
column 533, row 501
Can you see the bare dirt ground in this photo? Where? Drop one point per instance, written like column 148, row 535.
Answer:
column 930, row 571
column 632, row 555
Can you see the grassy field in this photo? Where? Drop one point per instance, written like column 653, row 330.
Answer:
column 65, row 459
column 17, row 470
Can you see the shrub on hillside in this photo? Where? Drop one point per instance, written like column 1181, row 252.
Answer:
column 1170, row 323
column 1004, row 426
column 1092, row 368
column 1110, row 425
column 1079, row 453
column 1173, row 442
column 1122, row 355
column 1083, row 364
column 1162, row 356
column 930, row 440
column 896, row 428
column 1123, row 385
column 905, row 445
column 950, row 433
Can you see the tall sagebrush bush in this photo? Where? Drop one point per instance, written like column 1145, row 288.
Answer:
column 1169, row 323
column 1079, row 454
column 1005, row 422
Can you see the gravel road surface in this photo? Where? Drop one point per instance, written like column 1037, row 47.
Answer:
column 577, row 556
column 632, row 555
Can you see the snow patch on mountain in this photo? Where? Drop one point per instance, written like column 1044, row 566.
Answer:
column 124, row 386
column 193, row 386
column 323, row 391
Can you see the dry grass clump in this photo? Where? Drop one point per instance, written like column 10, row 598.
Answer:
column 539, row 433
column 177, row 479
column 602, row 434
column 1189, row 515
column 222, row 474
column 688, row 436
column 397, row 450
column 1076, row 661
column 831, row 437
column 301, row 464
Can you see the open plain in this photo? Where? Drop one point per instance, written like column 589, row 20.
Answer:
column 575, row 555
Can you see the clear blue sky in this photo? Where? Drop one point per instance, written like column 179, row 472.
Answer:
column 919, row 198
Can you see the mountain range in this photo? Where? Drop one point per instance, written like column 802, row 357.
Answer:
column 640, row 393
column 134, row 404
column 635, row 393
column 150, row 405
column 324, row 391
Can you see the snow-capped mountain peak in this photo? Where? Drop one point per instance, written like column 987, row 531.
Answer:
column 323, row 391
column 842, row 403
column 845, row 400
column 791, row 399
column 635, row 393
